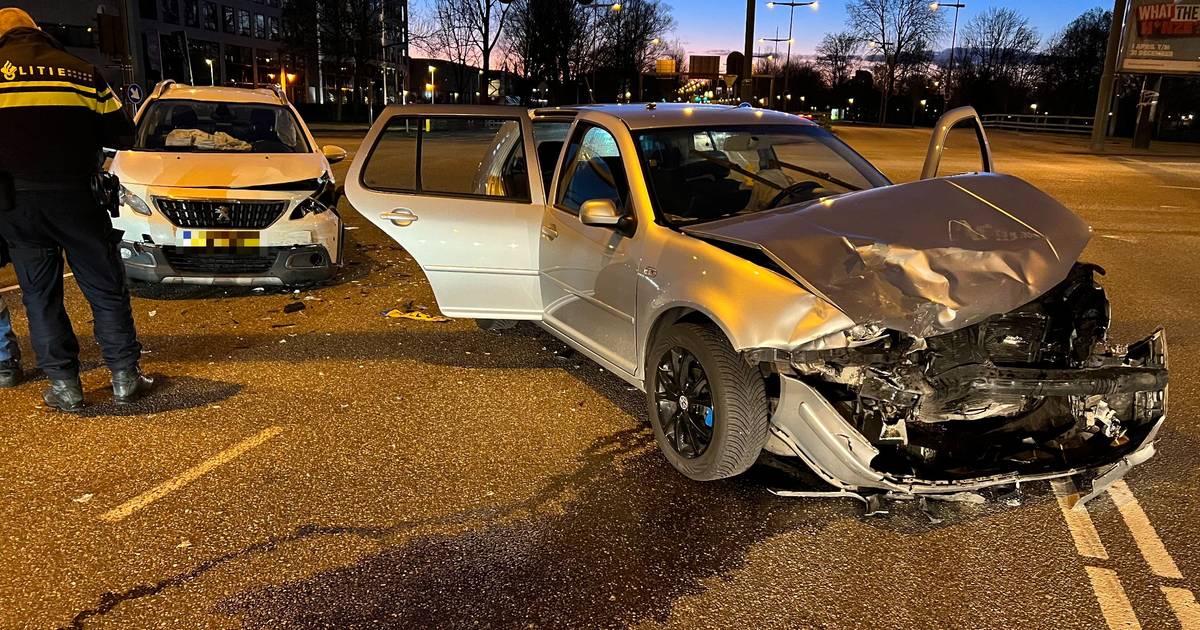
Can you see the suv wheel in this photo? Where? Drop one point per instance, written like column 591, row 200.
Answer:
column 708, row 407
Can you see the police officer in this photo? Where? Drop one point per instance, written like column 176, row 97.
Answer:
column 56, row 114
column 10, row 352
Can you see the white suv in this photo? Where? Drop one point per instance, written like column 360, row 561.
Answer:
column 227, row 186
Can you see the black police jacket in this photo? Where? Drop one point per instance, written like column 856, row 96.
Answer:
column 56, row 111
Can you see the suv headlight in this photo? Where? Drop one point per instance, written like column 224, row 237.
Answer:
column 325, row 197
column 134, row 202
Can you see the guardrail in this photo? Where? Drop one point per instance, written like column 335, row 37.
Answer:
column 1039, row 122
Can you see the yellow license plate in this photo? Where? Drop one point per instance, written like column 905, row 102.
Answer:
column 218, row 238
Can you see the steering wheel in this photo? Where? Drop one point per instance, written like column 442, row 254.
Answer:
column 795, row 190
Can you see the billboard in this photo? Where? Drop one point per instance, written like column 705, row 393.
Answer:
column 708, row 64
column 1162, row 36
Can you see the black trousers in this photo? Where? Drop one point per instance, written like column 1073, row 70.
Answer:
column 43, row 225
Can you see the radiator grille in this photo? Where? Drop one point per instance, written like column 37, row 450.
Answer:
column 246, row 215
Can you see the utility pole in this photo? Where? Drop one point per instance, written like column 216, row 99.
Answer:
column 748, row 62
column 1108, row 78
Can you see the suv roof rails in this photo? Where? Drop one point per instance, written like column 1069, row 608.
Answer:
column 162, row 88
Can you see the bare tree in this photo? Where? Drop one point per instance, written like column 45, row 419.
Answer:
column 902, row 30
column 838, row 56
column 1000, row 43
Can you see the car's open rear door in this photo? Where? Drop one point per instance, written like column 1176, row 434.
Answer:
column 453, row 186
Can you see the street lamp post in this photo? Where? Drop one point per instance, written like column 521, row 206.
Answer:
column 615, row 7
column 790, row 40
column 432, row 85
column 953, row 41
column 212, row 77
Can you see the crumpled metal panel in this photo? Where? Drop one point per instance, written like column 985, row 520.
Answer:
column 925, row 258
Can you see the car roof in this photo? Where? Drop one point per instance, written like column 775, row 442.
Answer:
column 219, row 94
column 658, row 115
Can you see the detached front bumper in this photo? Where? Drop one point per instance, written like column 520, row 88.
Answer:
column 259, row 266
column 806, row 425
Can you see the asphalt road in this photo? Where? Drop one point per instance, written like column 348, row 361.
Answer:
column 334, row 468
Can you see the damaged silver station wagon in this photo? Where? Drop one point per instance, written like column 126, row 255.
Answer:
column 770, row 290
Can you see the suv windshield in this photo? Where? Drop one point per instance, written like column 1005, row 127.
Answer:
column 702, row 174
column 216, row 127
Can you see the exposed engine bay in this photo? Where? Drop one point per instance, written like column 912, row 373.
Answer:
column 1035, row 390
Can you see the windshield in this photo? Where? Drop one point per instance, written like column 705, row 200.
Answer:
column 703, row 174
column 214, row 127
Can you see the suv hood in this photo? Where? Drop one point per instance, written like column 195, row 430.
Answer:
column 216, row 170
column 926, row 258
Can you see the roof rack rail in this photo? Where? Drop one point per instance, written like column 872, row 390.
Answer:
column 162, row 87
column 283, row 99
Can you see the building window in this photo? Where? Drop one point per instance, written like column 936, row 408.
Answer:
column 148, row 9
column 210, row 16
column 228, row 20
column 205, row 58
column 273, row 28
column 244, row 22
column 170, row 11
column 71, row 35
column 191, row 13
column 260, row 26
column 273, row 3
column 239, row 65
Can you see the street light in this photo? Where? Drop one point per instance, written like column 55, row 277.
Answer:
column 953, row 36
column 212, row 78
column 432, row 85
column 790, row 38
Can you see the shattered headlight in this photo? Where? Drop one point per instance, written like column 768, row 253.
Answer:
column 325, row 197
column 134, row 202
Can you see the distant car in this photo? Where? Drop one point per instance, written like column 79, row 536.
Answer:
column 770, row 290
column 227, row 186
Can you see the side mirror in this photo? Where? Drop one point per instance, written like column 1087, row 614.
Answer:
column 941, row 133
column 599, row 213
column 333, row 153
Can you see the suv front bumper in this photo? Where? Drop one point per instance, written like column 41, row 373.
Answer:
column 263, row 266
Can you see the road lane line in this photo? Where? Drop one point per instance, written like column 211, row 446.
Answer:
column 1147, row 539
column 1180, row 187
column 17, row 287
column 1114, row 603
column 188, row 476
column 1183, row 602
column 1079, row 522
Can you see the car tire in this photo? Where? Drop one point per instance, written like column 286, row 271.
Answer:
column 496, row 325
column 728, row 398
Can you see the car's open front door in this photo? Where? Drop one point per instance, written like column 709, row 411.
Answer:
column 452, row 185
column 959, row 117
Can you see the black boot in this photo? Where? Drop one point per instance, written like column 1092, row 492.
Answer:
column 64, row 394
column 10, row 373
column 130, row 385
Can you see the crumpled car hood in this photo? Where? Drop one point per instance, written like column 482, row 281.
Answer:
column 927, row 257
column 217, row 170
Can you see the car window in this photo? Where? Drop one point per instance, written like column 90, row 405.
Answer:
column 593, row 170
column 454, row 156
column 178, row 125
column 392, row 164
column 702, row 174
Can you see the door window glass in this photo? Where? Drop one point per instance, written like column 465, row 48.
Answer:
column 458, row 156
column 393, row 162
column 474, row 156
column 594, row 171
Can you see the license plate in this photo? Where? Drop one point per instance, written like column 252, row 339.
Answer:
column 218, row 238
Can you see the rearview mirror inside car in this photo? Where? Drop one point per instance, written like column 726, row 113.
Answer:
column 333, row 153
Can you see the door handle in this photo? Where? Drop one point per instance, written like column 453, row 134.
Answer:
column 550, row 232
column 400, row 217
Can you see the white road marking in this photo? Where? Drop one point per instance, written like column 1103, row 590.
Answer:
column 1183, row 602
column 17, row 287
column 1114, row 603
column 1180, row 187
column 1083, row 531
column 1147, row 539
column 188, row 476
